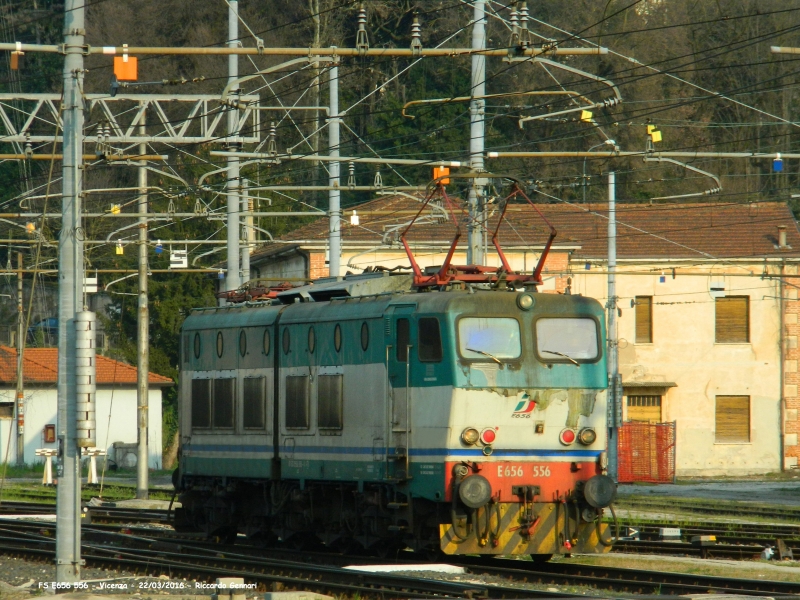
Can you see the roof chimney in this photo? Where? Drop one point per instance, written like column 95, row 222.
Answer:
column 782, row 237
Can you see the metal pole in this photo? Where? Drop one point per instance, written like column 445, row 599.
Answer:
column 232, row 279
column 334, row 207
column 143, row 335
column 70, row 299
column 613, row 364
column 20, row 380
column 476, row 130
column 248, row 231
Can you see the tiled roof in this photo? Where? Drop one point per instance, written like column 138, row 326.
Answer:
column 41, row 366
column 697, row 230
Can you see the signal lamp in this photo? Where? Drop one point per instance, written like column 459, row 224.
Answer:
column 566, row 437
column 488, row 436
column 470, row 436
column 587, row 436
column 525, row 301
column 487, row 450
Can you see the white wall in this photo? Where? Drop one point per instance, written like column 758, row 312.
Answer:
column 40, row 410
column 684, row 352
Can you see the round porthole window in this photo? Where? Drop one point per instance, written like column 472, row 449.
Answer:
column 197, row 345
column 242, row 343
column 337, row 337
column 286, row 341
column 220, row 344
column 266, row 341
column 312, row 340
column 364, row 336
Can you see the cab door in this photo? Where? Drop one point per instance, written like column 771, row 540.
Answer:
column 401, row 343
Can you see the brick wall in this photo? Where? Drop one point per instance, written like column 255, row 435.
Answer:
column 316, row 265
column 791, row 377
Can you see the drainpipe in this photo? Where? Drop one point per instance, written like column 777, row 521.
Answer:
column 781, row 311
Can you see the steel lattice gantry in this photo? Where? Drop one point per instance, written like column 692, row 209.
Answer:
column 171, row 118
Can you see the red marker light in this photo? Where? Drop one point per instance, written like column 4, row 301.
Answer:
column 567, row 437
column 488, row 436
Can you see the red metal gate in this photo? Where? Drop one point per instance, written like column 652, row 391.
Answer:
column 647, row 452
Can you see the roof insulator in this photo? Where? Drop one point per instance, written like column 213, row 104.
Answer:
column 416, row 36
column 524, row 34
column 378, row 179
column 272, row 144
column 362, row 42
column 351, row 177
column 513, row 42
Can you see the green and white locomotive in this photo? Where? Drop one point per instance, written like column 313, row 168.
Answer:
column 357, row 411
column 455, row 410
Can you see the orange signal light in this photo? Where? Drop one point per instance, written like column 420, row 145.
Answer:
column 126, row 68
column 441, row 172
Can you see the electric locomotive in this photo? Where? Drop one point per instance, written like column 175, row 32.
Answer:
column 426, row 411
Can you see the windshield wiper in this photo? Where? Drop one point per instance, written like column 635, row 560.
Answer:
column 567, row 356
column 494, row 358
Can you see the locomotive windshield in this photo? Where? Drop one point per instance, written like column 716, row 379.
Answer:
column 489, row 338
column 572, row 339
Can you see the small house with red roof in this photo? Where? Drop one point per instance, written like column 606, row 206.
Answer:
column 116, row 405
column 707, row 297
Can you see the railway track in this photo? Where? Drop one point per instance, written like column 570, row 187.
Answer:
column 157, row 554
column 717, row 508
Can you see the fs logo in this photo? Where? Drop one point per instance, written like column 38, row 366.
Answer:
column 524, row 409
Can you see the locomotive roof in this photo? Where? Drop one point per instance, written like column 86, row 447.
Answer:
column 370, row 306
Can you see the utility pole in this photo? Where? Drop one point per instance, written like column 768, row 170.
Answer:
column 232, row 279
column 248, row 231
column 334, row 207
column 143, row 333
column 20, row 381
column 613, row 363
column 70, row 299
column 476, row 135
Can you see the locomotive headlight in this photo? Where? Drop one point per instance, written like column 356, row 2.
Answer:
column 587, row 436
column 525, row 301
column 475, row 491
column 470, row 436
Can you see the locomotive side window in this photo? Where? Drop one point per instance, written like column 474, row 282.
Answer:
column 220, row 344
column 197, row 345
column 337, row 337
column 329, row 401
column 287, row 340
column 242, row 342
column 266, row 341
column 201, row 403
column 312, row 340
column 489, row 338
column 364, row 336
column 297, row 402
column 566, row 339
column 254, row 401
column 403, row 340
column 430, row 340
column 224, row 394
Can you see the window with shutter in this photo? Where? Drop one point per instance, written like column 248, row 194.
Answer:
column 732, row 320
column 644, row 319
column 732, row 420
column 644, row 408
